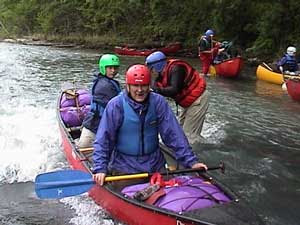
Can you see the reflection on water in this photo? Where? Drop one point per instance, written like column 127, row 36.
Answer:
column 267, row 89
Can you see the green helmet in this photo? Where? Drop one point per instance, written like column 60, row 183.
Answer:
column 108, row 60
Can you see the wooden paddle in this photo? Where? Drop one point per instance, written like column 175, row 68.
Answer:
column 65, row 183
column 268, row 67
column 283, row 86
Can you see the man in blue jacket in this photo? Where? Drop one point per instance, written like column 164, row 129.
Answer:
column 127, row 138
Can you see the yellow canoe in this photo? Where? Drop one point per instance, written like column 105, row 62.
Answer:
column 265, row 74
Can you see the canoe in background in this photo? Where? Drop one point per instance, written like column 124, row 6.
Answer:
column 230, row 67
column 265, row 74
column 168, row 49
column 293, row 88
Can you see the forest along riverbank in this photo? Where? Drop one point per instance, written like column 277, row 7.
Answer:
column 184, row 52
column 251, row 126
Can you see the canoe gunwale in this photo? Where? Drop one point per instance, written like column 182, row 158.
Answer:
column 168, row 49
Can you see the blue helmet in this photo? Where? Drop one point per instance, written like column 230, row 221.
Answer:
column 209, row 33
column 156, row 60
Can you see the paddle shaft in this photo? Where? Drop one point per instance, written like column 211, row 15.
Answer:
column 145, row 175
column 212, row 47
column 266, row 65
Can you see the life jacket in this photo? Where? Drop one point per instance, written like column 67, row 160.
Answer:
column 135, row 137
column 96, row 103
column 209, row 46
column 290, row 64
column 207, row 42
column 194, row 85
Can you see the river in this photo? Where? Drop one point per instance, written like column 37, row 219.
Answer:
column 252, row 126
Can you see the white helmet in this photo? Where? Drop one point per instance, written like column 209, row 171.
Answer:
column 291, row 51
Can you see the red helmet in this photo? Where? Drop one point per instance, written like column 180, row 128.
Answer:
column 138, row 74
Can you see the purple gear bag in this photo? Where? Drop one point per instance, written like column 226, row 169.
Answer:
column 71, row 113
column 84, row 98
column 192, row 193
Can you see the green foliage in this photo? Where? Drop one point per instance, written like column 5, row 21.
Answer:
column 257, row 27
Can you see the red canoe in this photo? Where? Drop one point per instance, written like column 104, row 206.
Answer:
column 293, row 88
column 133, row 212
column 230, row 67
column 169, row 49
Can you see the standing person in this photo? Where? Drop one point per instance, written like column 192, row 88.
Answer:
column 127, row 138
column 207, row 50
column 288, row 63
column 104, row 88
column 179, row 80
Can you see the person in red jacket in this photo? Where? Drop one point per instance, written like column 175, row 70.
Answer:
column 180, row 81
column 207, row 50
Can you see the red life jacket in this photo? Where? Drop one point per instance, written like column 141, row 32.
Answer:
column 194, row 85
column 215, row 46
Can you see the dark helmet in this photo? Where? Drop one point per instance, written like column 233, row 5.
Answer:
column 209, row 33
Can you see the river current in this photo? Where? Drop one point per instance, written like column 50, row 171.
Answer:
column 252, row 126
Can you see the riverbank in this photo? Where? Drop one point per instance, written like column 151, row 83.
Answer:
column 109, row 44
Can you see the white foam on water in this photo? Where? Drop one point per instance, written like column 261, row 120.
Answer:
column 28, row 143
column 87, row 211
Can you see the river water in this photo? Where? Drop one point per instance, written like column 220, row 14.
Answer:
column 252, row 126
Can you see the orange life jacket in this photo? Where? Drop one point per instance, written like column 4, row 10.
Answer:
column 194, row 85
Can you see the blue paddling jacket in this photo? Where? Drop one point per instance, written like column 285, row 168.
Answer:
column 288, row 63
column 138, row 149
column 103, row 90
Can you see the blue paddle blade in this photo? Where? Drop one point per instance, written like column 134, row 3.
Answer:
column 64, row 183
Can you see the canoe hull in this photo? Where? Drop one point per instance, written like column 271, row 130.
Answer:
column 134, row 212
column 293, row 88
column 230, row 67
column 169, row 49
column 267, row 75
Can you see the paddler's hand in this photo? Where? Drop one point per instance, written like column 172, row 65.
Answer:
column 199, row 166
column 281, row 69
column 99, row 178
column 221, row 50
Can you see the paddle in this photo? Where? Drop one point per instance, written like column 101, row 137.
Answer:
column 65, row 183
column 211, row 47
column 212, row 70
column 268, row 67
column 291, row 77
column 283, row 86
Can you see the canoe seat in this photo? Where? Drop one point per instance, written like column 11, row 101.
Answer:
column 86, row 150
column 71, row 129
